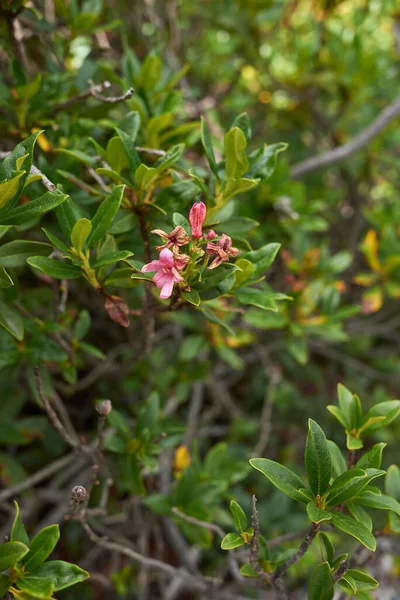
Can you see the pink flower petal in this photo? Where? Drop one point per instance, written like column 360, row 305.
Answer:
column 177, row 276
column 154, row 265
column 166, row 289
column 167, row 258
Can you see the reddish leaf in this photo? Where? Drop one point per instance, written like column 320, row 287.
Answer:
column 117, row 309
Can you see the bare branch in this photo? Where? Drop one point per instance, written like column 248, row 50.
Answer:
column 210, row 526
column 326, row 159
column 254, row 556
column 94, row 91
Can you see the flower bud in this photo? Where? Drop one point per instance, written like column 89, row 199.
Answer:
column 197, row 216
column 211, row 234
column 78, row 493
column 104, row 407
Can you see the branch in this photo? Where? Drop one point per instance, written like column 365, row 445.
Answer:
column 341, row 571
column 210, row 526
column 34, row 171
column 300, row 552
column 340, row 153
column 254, row 556
column 94, row 91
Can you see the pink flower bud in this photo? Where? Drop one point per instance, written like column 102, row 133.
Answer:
column 211, row 234
column 104, row 407
column 196, row 218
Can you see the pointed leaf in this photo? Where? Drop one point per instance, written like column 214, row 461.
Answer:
column 317, row 459
column 355, row 529
column 41, row 547
column 62, row 574
column 33, row 209
column 320, row 586
column 36, row 587
column 11, row 321
column 105, row 215
column 55, row 268
column 239, row 516
column 207, row 145
column 11, row 553
column 350, row 484
column 15, row 253
column 281, row 477
column 338, row 462
column 236, row 162
column 372, row 459
column 316, row 515
column 231, row 541
column 80, row 233
column 18, row 531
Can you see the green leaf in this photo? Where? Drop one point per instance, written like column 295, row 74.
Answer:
column 41, row 547
column 67, row 215
column 360, row 514
column 181, row 221
column 115, row 155
column 9, row 189
column 239, row 517
column 247, row 571
column 350, row 407
column 281, row 477
column 62, row 574
column 316, row 515
column 192, row 297
column 349, row 584
column 372, row 459
column 328, row 546
column 82, row 157
column 246, row 272
column 105, row 215
column 337, row 413
column 382, row 502
column 11, row 321
column 207, row 145
column 236, row 162
column 263, row 161
column 112, row 258
column 320, row 586
column 352, row 442
column 15, row 253
column 257, row 297
column 55, row 268
column 5, row 583
column 33, row 209
column 13, row 162
column 389, row 410
column 36, row 586
column 238, row 186
column 145, row 176
column 170, row 158
column 150, row 73
column 80, row 233
column 11, row 553
column 5, row 279
column 231, row 541
column 392, row 481
column 130, row 149
column 364, row 581
column 243, row 122
column 317, row 459
column 263, row 257
column 18, row 531
column 355, row 529
column 338, row 462
column 350, row 484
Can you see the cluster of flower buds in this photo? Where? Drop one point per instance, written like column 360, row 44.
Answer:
column 169, row 266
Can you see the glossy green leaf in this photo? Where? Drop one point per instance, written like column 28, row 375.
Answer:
column 41, row 547
column 281, row 477
column 317, row 515
column 32, row 209
column 389, row 410
column 181, row 221
column 130, row 149
column 320, row 585
column 207, row 145
column 263, row 257
column 19, row 159
column 9, row 189
column 115, row 155
column 36, row 586
column 231, row 541
column 257, row 297
column 5, row 279
column 15, row 253
column 18, row 531
column 350, row 484
column 239, row 517
column 317, row 459
column 338, row 462
column 11, row 321
column 233, row 187
column 236, row 162
column 170, row 158
column 80, row 233
column 62, row 574
column 363, row 581
column 381, row 502
column 355, row 529
column 11, row 553
column 328, row 547
column 55, row 268
column 360, row 514
column 372, row 459
column 4, row 585
column 350, row 407
column 112, row 258
column 105, row 215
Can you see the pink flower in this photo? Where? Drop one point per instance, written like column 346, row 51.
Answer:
column 196, row 218
column 211, row 234
column 222, row 250
column 166, row 270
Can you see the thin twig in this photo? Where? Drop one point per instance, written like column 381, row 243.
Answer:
column 300, row 552
column 341, row 571
column 326, row 159
column 57, row 424
column 210, row 526
column 254, row 556
column 38, row 477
